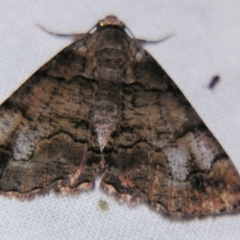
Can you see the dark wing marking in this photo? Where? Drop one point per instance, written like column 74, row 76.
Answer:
column 45, row 130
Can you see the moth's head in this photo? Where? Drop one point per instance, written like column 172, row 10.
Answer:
column 110, row 21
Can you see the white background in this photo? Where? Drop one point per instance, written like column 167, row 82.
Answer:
column 206, row 42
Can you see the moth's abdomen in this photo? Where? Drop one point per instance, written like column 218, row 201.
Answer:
column 104, row 120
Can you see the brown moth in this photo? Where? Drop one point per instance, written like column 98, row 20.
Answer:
column 104, row 106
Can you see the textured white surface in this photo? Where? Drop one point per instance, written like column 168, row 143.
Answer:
column 205, row 43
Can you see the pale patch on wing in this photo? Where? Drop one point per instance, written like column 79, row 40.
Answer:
column 178, row 162
column 9, row 122
column 24, row 144
column 203, row 154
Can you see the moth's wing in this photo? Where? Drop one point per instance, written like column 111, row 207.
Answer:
column 164, row 153
column 45, row 130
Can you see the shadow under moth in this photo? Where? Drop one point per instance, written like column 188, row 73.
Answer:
column 104, row 106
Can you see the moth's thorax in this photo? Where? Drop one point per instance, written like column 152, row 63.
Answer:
column 111, row 55
column 111, row 37
column 108, row 58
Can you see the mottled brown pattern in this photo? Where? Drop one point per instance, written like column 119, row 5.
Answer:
column 104, row 105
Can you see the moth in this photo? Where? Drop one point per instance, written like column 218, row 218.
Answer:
column 215, row 80
column 104, row 106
